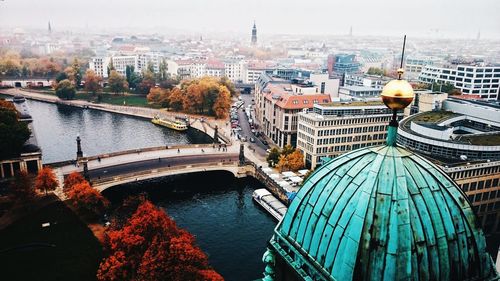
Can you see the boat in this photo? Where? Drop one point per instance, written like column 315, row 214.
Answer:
column 171, row 124
column 267, row 201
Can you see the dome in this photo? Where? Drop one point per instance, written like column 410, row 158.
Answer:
column 381, row 213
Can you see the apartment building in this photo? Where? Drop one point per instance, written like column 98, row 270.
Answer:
column 277, row 104
column 483, row 80
column 365, row 80
column 329, row 130
column 100, row 66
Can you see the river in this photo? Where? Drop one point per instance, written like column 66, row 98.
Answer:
column 56, row 128
column 216, row 207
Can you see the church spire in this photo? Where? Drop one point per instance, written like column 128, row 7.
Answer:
column 254, row 34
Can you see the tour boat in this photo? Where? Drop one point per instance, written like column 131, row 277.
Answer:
column 174, row 125
column 267, row 201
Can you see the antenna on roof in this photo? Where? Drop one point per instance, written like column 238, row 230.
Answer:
column 402, row 59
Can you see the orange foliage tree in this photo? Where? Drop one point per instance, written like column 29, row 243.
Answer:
column 150, row 246
column 92, row 82
column 87, row 199
column 207, row 95
column 46, row 180
column 293, row 161
column 71, row 180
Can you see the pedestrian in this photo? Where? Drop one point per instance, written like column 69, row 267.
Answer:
column 159, row 159
column 99, row 159
column 202, row 150
column 178, row 150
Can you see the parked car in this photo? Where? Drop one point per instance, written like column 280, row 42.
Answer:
column 252, row 140
column 244, row 139
column 264, row 142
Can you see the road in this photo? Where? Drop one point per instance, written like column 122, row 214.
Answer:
column 246, row 131
column 148, row 165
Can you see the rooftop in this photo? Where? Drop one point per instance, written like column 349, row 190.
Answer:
column 353, row 103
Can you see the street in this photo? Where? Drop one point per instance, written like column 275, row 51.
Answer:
column 246, row 131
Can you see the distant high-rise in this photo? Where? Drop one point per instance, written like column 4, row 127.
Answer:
column 350, row 31
column 254, row 34
column 478, row 35
column 50, row 28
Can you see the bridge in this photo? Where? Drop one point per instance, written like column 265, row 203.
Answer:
column 107, row 170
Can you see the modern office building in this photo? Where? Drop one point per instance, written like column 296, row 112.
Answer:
column 277, row 104
column 329, row 130
column 365, row 80
column 326, row 84
column 424, row 101
column 464, row 140
column 414, row 64
column 343, row 63
column 358, row 92
column 100, row 66
column 476, row 79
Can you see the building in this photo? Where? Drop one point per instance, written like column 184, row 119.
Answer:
column 254, row 34
column 235, row 70
column 344, row 63
column 415, row 64
column 329, row 130
column 100, row 66
column 365, row 80
column 469, row 79
column 359, row 92
column 30, row 157
column 426, row 101
column 379, row 213
column 326, row 84
column 120, row 63
column 463, row 139
column 277, row 104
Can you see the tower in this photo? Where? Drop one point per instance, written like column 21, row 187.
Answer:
column 254, row 34
column 50, row 28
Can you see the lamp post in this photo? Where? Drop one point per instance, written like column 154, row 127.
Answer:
column 79, row 152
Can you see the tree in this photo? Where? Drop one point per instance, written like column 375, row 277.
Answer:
column 293, row 161
column 116, row 82
column 375, row 71
column 13, row 133
column 61, row 76
column 296, row 160
column 65, row 90
column 159, row 97
column 92, row 82
column 87, row 199
column 444, row 88
column 229, row 85
column 71, row 180
column 287, row 150
column 46, row 180
column 150, row 246
column 111, row 67
column 22, row 187
column 273, row 157
column 147, row 82
column 176, row 99
column 222, row 103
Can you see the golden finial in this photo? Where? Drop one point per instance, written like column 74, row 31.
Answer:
column 398, row 94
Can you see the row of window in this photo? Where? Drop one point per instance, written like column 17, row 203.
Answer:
column 351, row 130
column 475, row 173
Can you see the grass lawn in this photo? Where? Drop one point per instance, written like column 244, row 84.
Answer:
column 67, row 250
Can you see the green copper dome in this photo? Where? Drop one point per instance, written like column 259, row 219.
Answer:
column 381, row 213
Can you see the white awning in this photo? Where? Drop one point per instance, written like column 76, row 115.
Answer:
column 303, row 172
column 296, row 179
column 267, row 170
column 274, row 176
column 288, row 174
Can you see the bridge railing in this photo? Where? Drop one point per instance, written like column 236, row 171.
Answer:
column 100, row 181
column 129, row 151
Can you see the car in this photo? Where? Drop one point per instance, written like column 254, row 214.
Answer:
column 244, row 139
column 264, row 142
column 234, row 125
column 268, row 150
column 253, row 131
column 252, row 140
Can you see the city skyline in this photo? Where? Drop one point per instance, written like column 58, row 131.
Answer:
column 460, row 20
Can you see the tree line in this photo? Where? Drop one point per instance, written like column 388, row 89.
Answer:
column 207, row 95
column 287, row 159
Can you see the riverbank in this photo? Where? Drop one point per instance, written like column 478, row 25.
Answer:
column 203, row 124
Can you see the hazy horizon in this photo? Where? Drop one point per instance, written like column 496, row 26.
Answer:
column 425, row 18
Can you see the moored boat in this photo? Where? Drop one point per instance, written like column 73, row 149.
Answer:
column 171, row 124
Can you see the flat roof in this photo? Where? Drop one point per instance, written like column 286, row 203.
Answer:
column 360, row 88
column 353, row 103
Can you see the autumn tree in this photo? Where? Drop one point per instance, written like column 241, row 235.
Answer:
column 147, row 82
column 46, row 180
column 71, row 180
column 222, row 103
column 13, row 133
column 87, row 199
column 229, row 85
column 65, row 90
column 291, row 162
column 273, row 157
column 176, row 99
column 150, row 246
column 116, row 82
column 22, row 187
column 159, row 97
column 92, row 82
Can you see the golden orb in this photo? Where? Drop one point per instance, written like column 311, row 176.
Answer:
column 397, row 94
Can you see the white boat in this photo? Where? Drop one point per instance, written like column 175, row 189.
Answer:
column 272, row 205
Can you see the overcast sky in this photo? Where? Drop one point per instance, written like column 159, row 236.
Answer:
column 444, row 18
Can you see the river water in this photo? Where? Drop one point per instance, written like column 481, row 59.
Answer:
column 56, row 128
column 216, row 207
